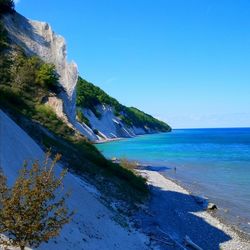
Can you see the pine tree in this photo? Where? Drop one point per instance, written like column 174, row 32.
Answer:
column 34, row 209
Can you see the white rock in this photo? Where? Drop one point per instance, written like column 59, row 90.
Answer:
column 38, row 38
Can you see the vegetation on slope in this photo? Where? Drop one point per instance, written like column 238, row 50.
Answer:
column 25, row 82
column 89, row 96
column 34, row 209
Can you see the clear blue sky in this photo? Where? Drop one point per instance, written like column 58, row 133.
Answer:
column 186, row 62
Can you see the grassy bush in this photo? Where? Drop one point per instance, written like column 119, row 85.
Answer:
column 47, row 117
column 47, row 76
column 11, row 94
column 128, row 165
column 137, row 181
column 34, row 209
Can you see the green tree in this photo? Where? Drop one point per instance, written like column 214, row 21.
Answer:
column 6, row 6
column 47, row 76
column 34, row 209
column 32, row 72
column 24, row 70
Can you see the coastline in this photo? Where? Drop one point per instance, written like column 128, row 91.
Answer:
column 173, row 210
column 108, row 140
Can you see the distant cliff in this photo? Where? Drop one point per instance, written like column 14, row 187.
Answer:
column 108, row 119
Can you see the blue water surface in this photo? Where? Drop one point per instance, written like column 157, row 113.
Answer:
column 210, row 162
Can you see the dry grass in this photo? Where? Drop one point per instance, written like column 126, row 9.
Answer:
column 130, row 165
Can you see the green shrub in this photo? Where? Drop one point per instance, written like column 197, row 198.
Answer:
column 46, row 111
column 31, row 74
column 33, row 211
column 47, row 76
column 89, row 96
column 136, row 181
column 11, row 96
column 47, row 117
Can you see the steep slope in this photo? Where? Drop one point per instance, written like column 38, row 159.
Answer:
column 38, row 38
column 92, row 226
column 110, row 119
column 47, row 115
column 27, row 94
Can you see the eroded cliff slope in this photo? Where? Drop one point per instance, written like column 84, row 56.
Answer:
column 93, row 226
column 109, row 121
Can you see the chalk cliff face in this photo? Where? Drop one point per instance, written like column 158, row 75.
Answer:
column 109, row 126
column 38, row 38
column 108, row 118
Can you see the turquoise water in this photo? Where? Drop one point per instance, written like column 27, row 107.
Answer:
column 214, row 163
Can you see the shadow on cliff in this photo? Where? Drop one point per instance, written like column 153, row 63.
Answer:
column 174, row 213
column 18, row 26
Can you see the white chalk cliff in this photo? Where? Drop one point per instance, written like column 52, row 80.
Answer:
column 110, row 126
column 37, row 38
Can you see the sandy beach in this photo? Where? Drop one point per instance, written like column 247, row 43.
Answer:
column 173, row 214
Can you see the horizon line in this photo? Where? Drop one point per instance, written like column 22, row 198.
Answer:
column 211, row 128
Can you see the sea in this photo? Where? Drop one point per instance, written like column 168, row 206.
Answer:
column 211, row 163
